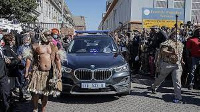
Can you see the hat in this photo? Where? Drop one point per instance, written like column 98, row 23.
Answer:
column 54, row 31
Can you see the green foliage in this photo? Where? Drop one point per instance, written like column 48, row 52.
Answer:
column 20, row 9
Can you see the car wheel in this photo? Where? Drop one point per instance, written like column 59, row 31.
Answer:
column 62, row 95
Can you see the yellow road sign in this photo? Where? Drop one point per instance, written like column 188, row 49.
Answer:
column 148, row 23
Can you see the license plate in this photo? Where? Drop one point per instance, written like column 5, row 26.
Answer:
column 93, row 85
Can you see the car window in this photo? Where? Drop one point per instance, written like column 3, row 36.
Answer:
column 92, row 45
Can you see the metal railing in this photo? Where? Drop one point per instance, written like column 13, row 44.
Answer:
column 48, row 26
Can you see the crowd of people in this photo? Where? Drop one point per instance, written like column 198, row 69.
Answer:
column 31, row 61
column 30, row 65
column 159, row 52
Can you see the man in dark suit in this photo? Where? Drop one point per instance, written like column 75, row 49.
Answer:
column 4, row 86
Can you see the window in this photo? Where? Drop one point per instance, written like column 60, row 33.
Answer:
column 179, row 3
column 195, row 16
column 52, row 13
column 161, row 3
column 93, row 45
column 49, row 11
column 57, row 17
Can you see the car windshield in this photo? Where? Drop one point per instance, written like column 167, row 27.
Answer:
column 92, row 45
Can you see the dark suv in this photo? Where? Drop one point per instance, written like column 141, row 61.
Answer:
column 95, row 66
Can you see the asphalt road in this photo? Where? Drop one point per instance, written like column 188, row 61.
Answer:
column 140, row 100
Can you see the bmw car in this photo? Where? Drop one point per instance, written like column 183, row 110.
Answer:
column 95, row 66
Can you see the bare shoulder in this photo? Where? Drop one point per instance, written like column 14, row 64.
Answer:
column 54, row 48
column 35, row 45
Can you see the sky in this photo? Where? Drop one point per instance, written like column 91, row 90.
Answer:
column 91, row 9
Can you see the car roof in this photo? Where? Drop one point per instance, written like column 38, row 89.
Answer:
column 93, row 32
column 92, row 36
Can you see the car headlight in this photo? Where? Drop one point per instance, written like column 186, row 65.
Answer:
column 122, row 68
column 67, row 70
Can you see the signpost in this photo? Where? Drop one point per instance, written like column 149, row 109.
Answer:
column 161, row 17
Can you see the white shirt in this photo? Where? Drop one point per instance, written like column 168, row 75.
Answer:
column 1, row 52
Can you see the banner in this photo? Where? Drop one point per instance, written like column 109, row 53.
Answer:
column 161, row 17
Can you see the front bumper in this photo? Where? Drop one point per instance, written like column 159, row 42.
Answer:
column 118, row 83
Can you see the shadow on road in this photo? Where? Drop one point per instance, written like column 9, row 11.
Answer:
column 145, row 94
column 25, row 106
column 189, row 97
column 186, row 99
column 147, row 80
column 68, row 99
column 169, row 97
column 73, row 99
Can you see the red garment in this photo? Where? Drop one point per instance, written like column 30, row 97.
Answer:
column 193, row 44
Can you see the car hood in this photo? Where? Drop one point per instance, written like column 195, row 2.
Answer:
column 93, row 61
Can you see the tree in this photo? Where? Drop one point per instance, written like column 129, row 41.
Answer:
column 22, row 10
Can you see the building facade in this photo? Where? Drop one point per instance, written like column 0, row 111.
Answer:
column 79, row 22
column 49, row 14
column 128, row 13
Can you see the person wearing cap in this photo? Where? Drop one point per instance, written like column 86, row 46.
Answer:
column 193, row 45
column 43, row 57
column 170, row 60
column 66, row 41
column 56, row 37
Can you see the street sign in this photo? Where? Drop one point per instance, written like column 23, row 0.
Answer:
column 161, row 17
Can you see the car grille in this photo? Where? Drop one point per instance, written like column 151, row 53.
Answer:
column 87, row 74
column 83, row 74
column 102, row 74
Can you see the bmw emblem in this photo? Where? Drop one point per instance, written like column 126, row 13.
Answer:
column 92, row 66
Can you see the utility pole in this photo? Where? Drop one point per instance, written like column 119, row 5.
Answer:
column 153, row 3
column 176, row 27
column 167, row 3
